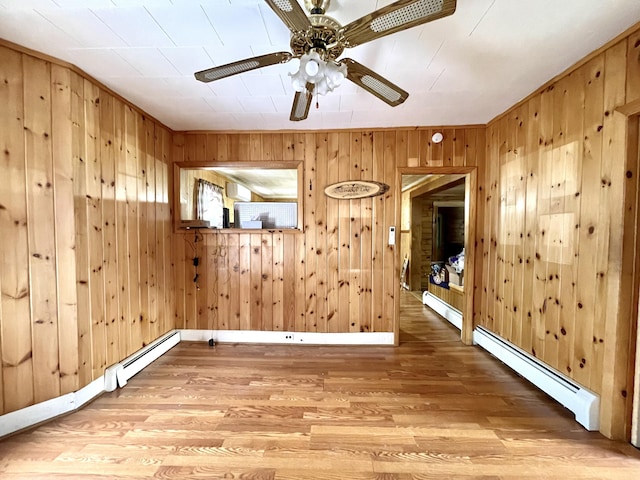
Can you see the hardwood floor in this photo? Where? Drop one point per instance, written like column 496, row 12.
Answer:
column 431, row 408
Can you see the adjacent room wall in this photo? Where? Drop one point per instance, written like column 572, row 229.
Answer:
column 84, row 230
column 339, row 275
column 188, row 182
column 421, row 241
column 554, row 191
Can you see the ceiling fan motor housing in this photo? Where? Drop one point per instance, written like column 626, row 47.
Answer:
column 322, row 36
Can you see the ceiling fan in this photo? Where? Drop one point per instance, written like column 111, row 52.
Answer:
column 318, row 40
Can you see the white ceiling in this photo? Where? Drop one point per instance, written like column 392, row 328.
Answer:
column 463, row 69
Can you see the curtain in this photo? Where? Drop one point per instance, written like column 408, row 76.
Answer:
column 209, row 203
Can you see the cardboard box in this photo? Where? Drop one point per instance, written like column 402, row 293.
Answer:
column 455, row 278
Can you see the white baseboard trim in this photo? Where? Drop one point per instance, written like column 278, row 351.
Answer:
column 117, row 375
column 300, row 338
column 453, row 316
column 114, row 376
column 584, row 403
column 41, row 412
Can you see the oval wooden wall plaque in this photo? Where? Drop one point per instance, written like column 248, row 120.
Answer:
column 352, row 189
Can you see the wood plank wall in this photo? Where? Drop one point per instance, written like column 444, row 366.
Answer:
column 550, row 190
column 422, row 242
column 84, row 230
column 337, row 276
column 406, row 233
column 453, row 296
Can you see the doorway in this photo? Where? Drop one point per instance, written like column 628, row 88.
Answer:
column 437, row 227
column 619, row 411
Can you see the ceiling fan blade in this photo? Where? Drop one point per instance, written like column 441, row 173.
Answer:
column 291, row 13
column 374, row 83
column 241, row 66
column 393, row 18
column 302, row 103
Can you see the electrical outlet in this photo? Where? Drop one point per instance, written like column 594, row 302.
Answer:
column 288, row 337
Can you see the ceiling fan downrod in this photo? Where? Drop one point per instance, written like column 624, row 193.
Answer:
column 317, row 7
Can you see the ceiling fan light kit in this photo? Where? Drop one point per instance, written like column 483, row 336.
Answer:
column 318, row 41
column 325, row 75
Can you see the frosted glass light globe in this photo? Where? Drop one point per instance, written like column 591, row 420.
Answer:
column 312, row 68
column 335, row 74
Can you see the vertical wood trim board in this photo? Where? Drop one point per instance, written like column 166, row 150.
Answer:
column 75, row 230
column 635, row 420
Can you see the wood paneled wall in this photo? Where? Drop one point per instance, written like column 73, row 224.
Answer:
column 553, row 190
column 84, row 230
column 422, row 241
column 453, row 296
column 339, row 275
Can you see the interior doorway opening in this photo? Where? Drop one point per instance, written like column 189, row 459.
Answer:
column 433, row 231
column 436, row 231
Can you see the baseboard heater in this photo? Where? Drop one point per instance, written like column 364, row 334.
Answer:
column 582, row 402
column 117, row 375
column 452, row 315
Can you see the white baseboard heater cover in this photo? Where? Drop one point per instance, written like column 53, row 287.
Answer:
column 114, row 376
column 582, row 402
column 443, row 308
column 117, row 375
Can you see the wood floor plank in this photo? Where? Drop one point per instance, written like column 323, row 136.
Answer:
column 87, row 468
column 430, row 408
